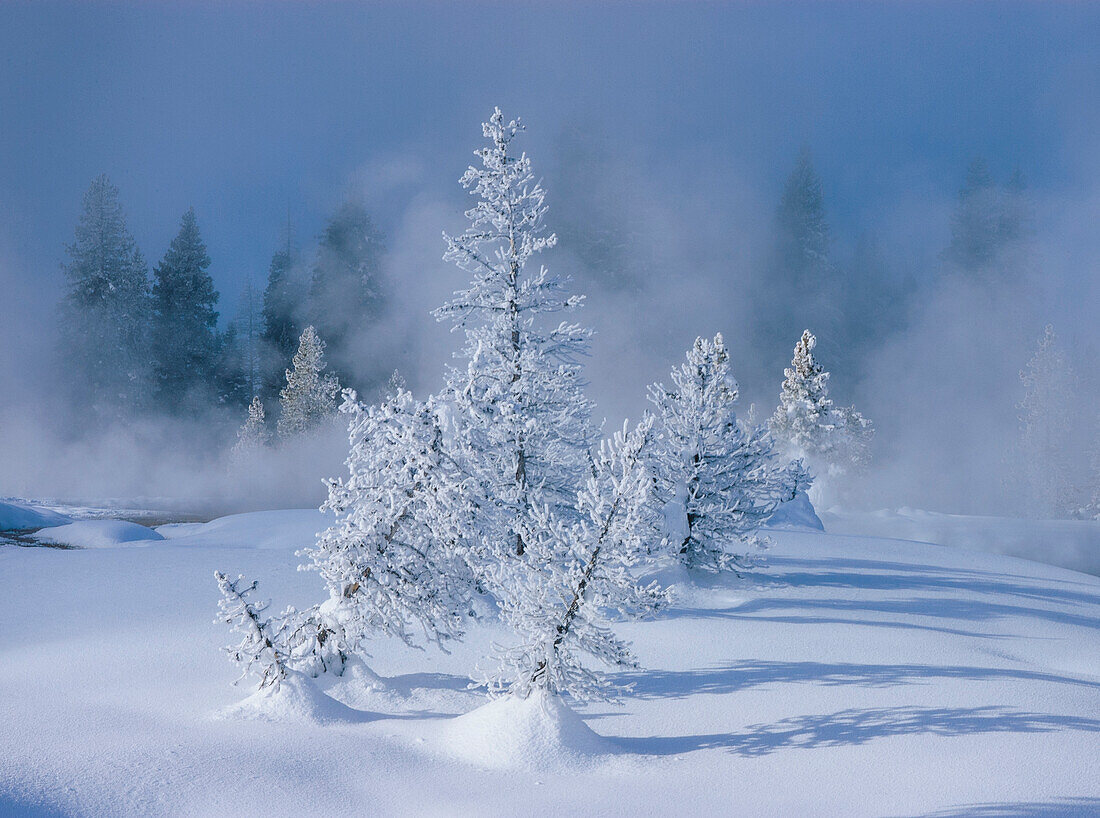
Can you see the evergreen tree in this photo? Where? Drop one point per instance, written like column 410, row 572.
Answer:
column 560, row 611
column 717, row 479
column 989, row 227
column 284, row 300
column 801, row 284
column 1052, row 479
column 309, row 396
column 347, row 292
column 184, row 337
column 832, row 440
column 802, row 240
column 522, row 421
column 393, row 561
column 248, row 326
column 105, row 311
column 254, row 433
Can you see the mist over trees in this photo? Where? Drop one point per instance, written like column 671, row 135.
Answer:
column 136, row 345
column 149, row 345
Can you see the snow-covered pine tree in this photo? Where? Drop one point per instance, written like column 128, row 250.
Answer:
column 586, row 569
column 1046, row 444
column 105, row 311
column 392, row 561
column 808, row 426
column 717, row 479
column 522, row 422
column 184, row 335
column 259, row 652
column 254, row 433
column 309, row 396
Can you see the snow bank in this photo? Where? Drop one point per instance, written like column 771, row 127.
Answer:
column 510, row 732
column 22, row 516
column 99, row 534
column 287, row 529
column 297, row 699
column 796, row 514
column 1073, row 544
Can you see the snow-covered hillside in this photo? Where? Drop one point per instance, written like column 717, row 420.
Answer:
column 846, row 676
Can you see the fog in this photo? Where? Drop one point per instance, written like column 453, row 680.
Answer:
column 664, row 135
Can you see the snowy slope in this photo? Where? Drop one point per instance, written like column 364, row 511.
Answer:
column 1073, row 544
column 848, row 676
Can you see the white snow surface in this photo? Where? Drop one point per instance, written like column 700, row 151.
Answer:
column 1073, row 544
column 846, row 676
column 19, row 516
column 98, row 534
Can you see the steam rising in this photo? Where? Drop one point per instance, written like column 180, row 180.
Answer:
column 665, row 221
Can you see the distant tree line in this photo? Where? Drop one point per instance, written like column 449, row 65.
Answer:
column 134, row 343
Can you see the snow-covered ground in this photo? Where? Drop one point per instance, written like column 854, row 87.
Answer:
column 1073, row 544
column 850, row 675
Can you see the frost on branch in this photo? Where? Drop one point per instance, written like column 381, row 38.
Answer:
column 309, row 396
column 522, row 426
column 559, row 601
column 832, row 440
column 258, row 653
column 717, row 479
column 253, row 434
column 393, row 561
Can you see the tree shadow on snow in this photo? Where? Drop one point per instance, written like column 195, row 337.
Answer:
column 971, row 610
column 1060, row 808
column 676, row 684
column 853, row 727
column 895, row 576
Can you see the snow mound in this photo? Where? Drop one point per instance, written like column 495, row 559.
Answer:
column 99, row 534
column 796, row 514
column 287, row 529
column 21, row 517
column 537, row 732
column 297, row 699
column 359, row 687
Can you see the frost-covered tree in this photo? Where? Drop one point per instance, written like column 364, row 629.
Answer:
column 832, row 440
column 393, row 560
column 1053, row 480
column 105, row 311
column 309, row 396
column 184, row 336
column 522, row 421
column 586, row 570
column 717, row 478
column 254, row 433
column 259, row 653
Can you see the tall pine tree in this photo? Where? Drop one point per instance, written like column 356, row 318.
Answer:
column 347, row 293
column 989, row 228
column 284, row 301
column 185, row 340
column 105, row 310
